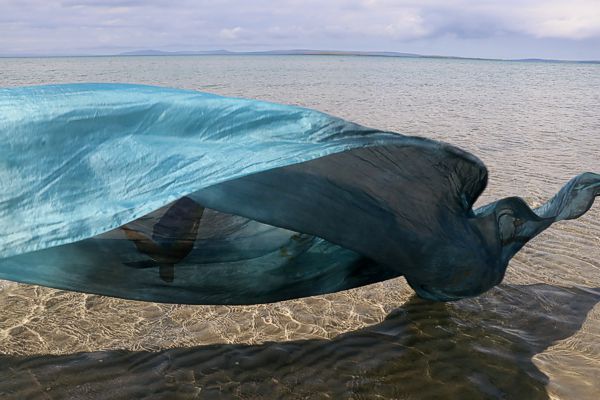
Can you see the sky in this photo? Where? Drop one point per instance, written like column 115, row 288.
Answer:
column 467, row 28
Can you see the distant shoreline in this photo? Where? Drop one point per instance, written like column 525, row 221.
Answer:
column 302, row 52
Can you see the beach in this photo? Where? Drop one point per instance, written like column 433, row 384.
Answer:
column 534, row 124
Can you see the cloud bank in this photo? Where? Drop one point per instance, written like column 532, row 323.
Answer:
column 483, row 28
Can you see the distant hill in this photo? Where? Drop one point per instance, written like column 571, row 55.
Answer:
column 299, row 52
column 270, row 52
column 545, row 60
column 174, row 53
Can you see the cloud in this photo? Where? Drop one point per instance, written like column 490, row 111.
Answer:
column 568, row 19
column 92, row 26
column 231, row 34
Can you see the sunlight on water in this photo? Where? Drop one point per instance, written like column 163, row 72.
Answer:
column 535, row 125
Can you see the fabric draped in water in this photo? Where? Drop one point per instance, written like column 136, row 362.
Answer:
column 178, row 196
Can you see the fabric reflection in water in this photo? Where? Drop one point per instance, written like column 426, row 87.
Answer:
column 177, row 196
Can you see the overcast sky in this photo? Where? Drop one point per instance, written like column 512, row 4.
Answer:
column 472, row 28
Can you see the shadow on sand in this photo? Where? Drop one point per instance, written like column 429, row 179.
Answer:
column 475, row 348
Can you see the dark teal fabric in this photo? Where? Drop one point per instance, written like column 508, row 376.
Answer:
column 177, row 196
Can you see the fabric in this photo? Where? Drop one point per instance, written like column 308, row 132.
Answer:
column 178, row 196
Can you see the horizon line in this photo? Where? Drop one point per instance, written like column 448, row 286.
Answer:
column 290, row 52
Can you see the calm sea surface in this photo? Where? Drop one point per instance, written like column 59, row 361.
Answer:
column 536, row 336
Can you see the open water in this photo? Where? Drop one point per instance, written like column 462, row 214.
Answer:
column 536, row 336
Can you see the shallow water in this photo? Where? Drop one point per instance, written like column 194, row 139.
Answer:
column 535, row 125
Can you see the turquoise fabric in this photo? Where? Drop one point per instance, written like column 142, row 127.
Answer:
column 169, row 195
column 78, row 160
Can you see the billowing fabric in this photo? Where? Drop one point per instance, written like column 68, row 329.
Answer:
column 178, row 196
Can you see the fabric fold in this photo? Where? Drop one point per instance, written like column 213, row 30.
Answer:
column 169, row 195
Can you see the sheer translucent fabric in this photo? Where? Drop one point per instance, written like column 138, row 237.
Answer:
column 178, row 196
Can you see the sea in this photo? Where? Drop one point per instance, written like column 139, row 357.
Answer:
column 535, row 336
